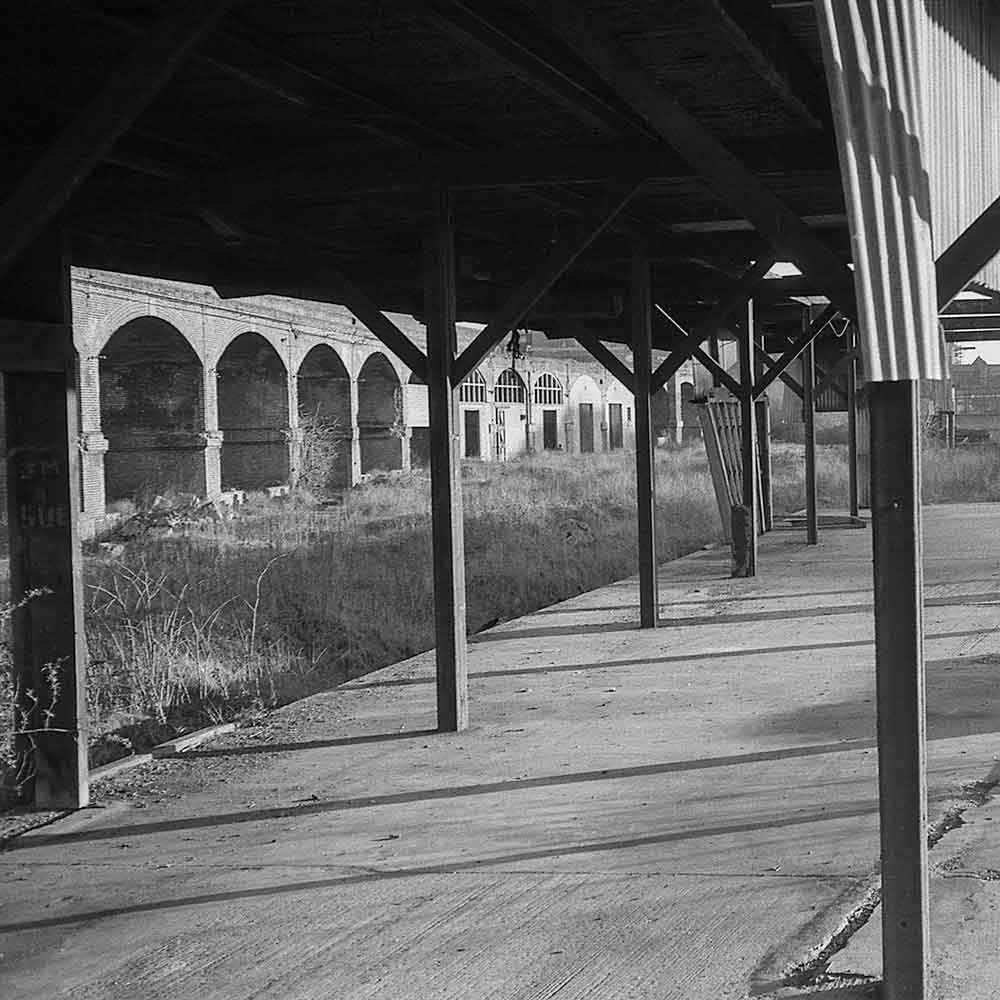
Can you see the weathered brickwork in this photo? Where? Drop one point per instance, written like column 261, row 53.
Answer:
column 180, row 389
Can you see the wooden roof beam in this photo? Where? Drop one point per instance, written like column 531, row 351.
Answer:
column 718, row 166
column 476, row 23
column 50, row 182
column 774, row 55
column 283, row 79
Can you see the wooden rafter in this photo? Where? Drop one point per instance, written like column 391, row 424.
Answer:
column 774, row 55
column 49, row 184
column 477, row 24
column 558, row 260
column 732, row 181
column 322, row 95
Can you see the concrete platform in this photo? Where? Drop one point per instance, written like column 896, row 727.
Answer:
column 682, row 813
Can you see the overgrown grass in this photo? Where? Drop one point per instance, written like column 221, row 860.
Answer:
column 288, row 599
column 222, row 619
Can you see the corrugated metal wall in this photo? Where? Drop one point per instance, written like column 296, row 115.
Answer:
column 962, row 102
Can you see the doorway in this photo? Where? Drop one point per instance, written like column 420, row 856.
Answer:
column 586, row 427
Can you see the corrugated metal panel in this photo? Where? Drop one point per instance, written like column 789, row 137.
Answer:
column 962, row 111
column 875, row 92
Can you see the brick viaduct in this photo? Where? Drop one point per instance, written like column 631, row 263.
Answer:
column 181, row 389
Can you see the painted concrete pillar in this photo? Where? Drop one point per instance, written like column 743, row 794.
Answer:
column 676, row 407
column 93, row 443
column 355, row 436
column 605, row 442
column 211, row 434
column 294, row 432
column 406, row 431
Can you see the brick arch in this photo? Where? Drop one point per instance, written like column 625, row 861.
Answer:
column 324, row 393
column 123, row 313
column 151, row 398
column 252, row 383
column 379, row 402
column 222, row 335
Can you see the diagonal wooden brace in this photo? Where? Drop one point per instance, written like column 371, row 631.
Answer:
column 828, row 380
column 795, row 349
column 559, row 259
column 765, row 363
column 723, row 310
column 376, row 321
column 706, row 359
column 968, row 255
column 600, row 353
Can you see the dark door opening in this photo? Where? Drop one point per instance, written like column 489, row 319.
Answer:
column 550, row 430
column 586, row 427
column 472, row 443
column 616, row 436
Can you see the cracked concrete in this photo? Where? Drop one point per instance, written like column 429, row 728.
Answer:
column 678, row 813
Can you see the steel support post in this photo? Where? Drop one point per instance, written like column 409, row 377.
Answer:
column 446, row 483
column 748, row 435
column 809, row 419
column 899, row 666
column 43, row 481
column 852, row 429
column 641, row 319
column 764, row 456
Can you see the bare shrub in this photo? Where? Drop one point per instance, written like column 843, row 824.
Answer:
column 318, row 449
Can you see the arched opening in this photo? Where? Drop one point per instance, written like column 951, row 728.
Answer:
column 509, row 417
column 253, row 414
column 324, row 420
column 548, row 393
column 380, row 418
column 472, row 400
column 151, row 411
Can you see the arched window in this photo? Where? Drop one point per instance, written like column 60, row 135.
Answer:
column 509, row 387
column 548, row 391
column 473, row 389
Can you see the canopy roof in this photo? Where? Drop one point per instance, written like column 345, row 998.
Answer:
column 295, row 147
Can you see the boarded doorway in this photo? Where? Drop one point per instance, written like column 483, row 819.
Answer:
column 586, row 427
column 473, row 448
column 500, row 434
column 616, row 435
column 550, row 430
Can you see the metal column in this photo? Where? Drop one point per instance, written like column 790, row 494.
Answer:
column 896, row 536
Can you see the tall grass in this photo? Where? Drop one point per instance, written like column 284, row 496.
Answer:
column 224, row 618
column 288, row 598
